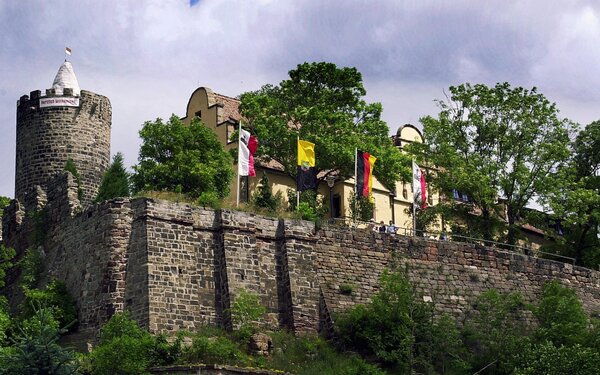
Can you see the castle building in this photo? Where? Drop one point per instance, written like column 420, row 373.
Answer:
column 64, row 123
column 221, row 114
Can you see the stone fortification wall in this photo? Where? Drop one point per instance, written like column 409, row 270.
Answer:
column 449, row 274
column 174, row 266
column 48, row 136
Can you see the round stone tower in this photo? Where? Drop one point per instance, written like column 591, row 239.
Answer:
column 65, row 123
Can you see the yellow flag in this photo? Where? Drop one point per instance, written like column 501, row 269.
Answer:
column 306, row 154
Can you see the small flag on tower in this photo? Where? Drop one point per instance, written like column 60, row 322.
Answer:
column 68, row 51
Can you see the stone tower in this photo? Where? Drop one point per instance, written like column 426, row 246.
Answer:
column 65, row 123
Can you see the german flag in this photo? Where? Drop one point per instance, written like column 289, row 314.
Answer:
column 306, row 177
column 364, row 173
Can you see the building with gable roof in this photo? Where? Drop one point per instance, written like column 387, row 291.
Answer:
column 221, row 114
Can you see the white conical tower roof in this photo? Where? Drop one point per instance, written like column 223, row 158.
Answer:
column 65, row 78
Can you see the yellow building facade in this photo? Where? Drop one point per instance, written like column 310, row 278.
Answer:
column 221, row 114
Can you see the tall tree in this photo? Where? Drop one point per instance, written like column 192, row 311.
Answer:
column 175, row 157
column 115, row 182
column 576, row 199
column 490, row 142
column 325, row 105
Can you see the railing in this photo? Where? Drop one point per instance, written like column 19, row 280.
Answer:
column 443, row 236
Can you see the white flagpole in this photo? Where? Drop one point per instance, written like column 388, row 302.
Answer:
column 297, row 191
column 237, row 202
column 355, row 184
column 414, row 205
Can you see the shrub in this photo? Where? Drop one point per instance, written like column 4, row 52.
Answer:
column 264, row 198
column 346, row 289
column 54, row 297
column 209, row 199
column 561, row 316
column 246, row 310
column 125, row 348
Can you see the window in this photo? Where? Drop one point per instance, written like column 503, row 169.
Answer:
column 198, row 115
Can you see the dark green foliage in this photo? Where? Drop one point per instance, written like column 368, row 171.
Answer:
column 323, row 104
column 4, row 202
column 495, row 329
column 398, row 330
column 191, row 157
column 308, row 355
column 548, row 359
column 7, row 255
column 115, row 182
column 346, row 289
column 125, row 348
column 31, row 267
column 55, row 298
column 70, row 167
column 576, row 200
column 264, row 198
column 561, row 318
column 35, row 348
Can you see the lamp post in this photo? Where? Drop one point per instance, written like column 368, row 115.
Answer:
column 330, row 182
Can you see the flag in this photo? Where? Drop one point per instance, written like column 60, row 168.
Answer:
column 364, row 173
column 306, row 177
column 419, row 186
column 68, row 51
column 247, row 148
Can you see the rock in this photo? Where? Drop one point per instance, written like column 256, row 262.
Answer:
column 261, row 344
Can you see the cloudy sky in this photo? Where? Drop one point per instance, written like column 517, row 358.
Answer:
column 149, row 56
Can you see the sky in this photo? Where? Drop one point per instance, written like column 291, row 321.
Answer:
column 149, row 56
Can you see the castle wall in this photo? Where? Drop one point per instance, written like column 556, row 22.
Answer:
column 47, row 137
column 449, row 274
column 174, row 266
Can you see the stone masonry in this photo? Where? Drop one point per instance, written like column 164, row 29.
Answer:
column 48, row 136
column 175, row 266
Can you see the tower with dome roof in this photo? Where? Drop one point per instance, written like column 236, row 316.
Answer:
column 63, row 123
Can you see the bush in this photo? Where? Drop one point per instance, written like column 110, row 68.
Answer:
column 560, row 314
column 246, row 311
column 495, row 329
column 125, row 348
column 209, row 199
column 54, row 297
column 264, row 198
column 215, row 350
column 548, row 359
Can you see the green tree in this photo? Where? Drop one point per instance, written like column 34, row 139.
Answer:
column 36, row 350
column 576, row 200
column 185, row 158
column 561, row 317
column 325, row 105
column 264, row 197
column 495, row 329
column 495, row 141
column 4, row 202
column 115, row 182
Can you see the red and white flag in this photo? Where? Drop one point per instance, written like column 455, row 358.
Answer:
column 247, row 148
column 68, row 51
column 419, row 186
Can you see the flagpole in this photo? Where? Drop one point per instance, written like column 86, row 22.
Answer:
column 237, row 201
column 414, row 205
column 355, row 184
column 297, row 191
